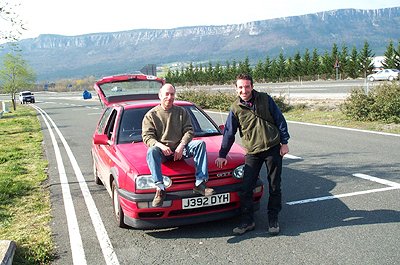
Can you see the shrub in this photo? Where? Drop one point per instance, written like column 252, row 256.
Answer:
column 380, row 104
column 219, row 100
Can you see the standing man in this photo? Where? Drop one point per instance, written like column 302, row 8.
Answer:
column 265, row 136
column 168, row 132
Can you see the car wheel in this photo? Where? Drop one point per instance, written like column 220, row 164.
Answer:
column 390, row 78
column 97, row 180
column 372, row 79
column 118, row 213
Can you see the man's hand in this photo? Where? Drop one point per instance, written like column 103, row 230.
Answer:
column 164, row 149
column 178, row 152
column 284, row 149
column 220, row 162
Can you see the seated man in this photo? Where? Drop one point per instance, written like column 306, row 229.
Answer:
column 168, row 132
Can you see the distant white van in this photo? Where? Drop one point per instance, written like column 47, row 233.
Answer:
column 26, row 96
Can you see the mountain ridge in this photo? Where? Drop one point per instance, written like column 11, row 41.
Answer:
column 56, row 56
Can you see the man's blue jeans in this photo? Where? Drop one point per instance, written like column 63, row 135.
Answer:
column 195, row 149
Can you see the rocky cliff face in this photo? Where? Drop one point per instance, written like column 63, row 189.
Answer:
column 98, row 54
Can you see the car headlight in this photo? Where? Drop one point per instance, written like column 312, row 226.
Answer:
column 238, row 172
column 146, row 182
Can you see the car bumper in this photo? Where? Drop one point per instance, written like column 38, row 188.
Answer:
column 174, row 215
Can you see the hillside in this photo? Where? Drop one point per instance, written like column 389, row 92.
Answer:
column 99, row 54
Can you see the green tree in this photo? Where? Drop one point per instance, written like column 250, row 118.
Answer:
column 16, row 75
column 390, row 56
column 274, row 71
column 307, row 64
column 397, row 56
column 343, row 62
column 244, row 67
column 297, row 69
column 281, row 67
column 315, row 68
column 327, row 65
column 267, row 68
column 258, row 72
column 353, row 65
column 365, row 57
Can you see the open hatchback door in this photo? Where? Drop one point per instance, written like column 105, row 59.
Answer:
column 127, row 87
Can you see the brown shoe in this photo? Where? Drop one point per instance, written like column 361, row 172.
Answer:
column 243, row 228
column 159, row 198
column 203, row 190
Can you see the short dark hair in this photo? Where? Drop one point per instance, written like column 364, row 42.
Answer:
column 244, row 77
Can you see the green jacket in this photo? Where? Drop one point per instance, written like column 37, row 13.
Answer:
column 257, row 128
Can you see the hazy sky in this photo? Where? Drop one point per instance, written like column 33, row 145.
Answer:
column 76, row 17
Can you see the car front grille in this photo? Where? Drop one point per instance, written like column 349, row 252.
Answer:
column 183, row 179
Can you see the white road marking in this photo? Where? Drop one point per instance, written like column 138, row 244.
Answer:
column 77, row 251
column 289, row 156
column 102, row 236
column 392, row 186
column 343, row 128
column 378, row 180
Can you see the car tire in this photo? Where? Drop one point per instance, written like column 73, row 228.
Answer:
column 97, row 180
column 391, row 78
column 118, row 212
column 372, row 79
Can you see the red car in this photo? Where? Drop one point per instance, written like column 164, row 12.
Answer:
column 119, row 161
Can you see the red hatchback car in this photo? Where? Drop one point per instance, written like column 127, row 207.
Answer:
column 119, row 161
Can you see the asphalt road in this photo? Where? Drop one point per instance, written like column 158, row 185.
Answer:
column 341, row 191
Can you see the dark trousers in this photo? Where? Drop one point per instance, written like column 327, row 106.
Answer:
column 254, row 162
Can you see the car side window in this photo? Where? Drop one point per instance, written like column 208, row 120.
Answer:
column 109, row 130
column 103, row 120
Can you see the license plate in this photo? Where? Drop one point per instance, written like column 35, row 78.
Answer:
column 198, row 202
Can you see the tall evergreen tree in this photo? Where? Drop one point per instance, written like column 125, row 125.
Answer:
column 298, row 69
column 258, row 72
column 281, row 67
column 365, row 58
column 306, row 62
column 267, row 68
column 315, row 69
column 353, row 64
column 390, row 56
column 397, row 56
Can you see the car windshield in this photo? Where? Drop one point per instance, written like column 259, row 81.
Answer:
column 26, row 94
column 130, row 129
column 130, row 87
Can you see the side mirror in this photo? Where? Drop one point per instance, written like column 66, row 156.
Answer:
column 100, row 139
column 221, row 128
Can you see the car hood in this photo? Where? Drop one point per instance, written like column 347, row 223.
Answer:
column 135, row 156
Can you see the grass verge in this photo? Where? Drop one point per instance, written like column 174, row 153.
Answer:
column 334, row 117
column 24, row 199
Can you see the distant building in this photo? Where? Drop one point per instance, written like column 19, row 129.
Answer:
column 377, row 62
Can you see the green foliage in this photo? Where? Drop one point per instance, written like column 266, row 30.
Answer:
column 24, row 202
column 208, row 100
column 218, row 100
column 15, row 75
column 283, row 68
column 380, row 104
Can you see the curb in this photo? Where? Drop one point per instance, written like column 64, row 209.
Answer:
column 7, row 249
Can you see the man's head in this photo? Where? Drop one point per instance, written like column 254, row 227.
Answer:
column 244, row 86
column 167, row 96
